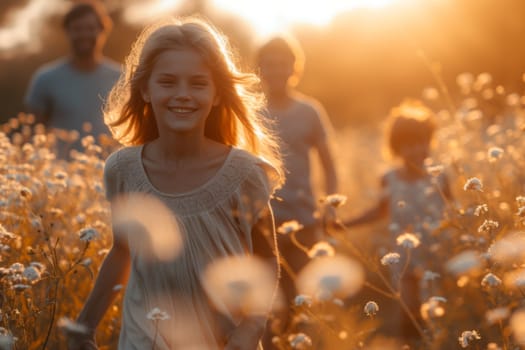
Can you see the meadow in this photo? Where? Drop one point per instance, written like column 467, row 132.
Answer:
column 55, row 232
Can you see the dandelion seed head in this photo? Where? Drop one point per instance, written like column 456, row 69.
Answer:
column 241, row 285
column 149, row 225
column 494, row 154
column 336, row 276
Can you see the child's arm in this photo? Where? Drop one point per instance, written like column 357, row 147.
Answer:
column 249, row 332
column 379, row 211
column 114, row 271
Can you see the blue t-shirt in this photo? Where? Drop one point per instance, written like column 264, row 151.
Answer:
column 68, row 98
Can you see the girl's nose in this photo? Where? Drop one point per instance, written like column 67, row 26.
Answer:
column 182, row 92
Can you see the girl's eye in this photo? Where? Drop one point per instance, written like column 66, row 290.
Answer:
column 200, row 83
column 165, row 82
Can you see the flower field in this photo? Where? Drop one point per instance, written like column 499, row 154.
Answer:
column 55, row 232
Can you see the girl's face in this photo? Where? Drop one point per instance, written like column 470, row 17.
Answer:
column 414, row 154
column 181, row 91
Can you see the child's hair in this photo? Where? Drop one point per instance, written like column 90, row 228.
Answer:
column 409, row 123
column 287, row 45
column 236, row 121
column 85, row 7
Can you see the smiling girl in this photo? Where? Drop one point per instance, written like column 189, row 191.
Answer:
column 191, row 126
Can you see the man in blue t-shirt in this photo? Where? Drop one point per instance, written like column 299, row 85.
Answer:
column 68, row 94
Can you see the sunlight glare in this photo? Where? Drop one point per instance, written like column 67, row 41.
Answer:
column 277, row 15
column 22, row 25
column 145, row 11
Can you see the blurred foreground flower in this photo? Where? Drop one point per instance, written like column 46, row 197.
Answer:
column 331, row 277
column 150, row 226
column 517, row 326
column 71, row 327
column 465, row 262
column 241, row 285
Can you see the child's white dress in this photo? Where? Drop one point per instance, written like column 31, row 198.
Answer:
column 216, row 220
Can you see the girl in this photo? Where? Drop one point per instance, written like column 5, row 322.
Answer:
column 413, row 199
column 191, row 124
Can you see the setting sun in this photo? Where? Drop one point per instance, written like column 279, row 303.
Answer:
column 275, row 15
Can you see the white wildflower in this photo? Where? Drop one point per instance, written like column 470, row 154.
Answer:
column 496, row 315
column 494, row 154
column 473, row 184
column 289, row 227
column 435, row 170
column 488, row 225
column 321, row 249
column 432, row 308
column 468, row 336
column 408, row 240
column 157, row 315
column 430, row 275
column 371, row 308
column 32, row 274
column 302, row 299
column 335, row 200
column 481, row 209
column 490, row 280
column 299, row 341
column 390, row 259
column 521, row 201
column 88, row 234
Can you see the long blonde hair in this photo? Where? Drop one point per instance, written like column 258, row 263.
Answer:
column 236, row 121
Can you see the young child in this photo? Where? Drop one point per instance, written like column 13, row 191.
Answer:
column 302, row 125
column 413, row 199
column 190, row 122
